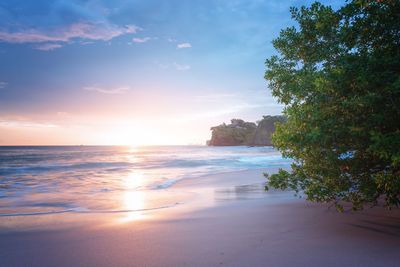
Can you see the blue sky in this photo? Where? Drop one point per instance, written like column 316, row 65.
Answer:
column 108, row 72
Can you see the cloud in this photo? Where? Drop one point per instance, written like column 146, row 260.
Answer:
column 177, row 66
column 62, row 114
column 110, row 91
column 212, row 113
column 162, row 65
column 60, row 22
column 181, row 67
column 47, row 46
column 215, row 97
column 184, row 45
column 141, row 40
column 25, row 124
column 81, row 30
column 3, row 85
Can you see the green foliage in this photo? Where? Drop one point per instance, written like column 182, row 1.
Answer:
column 338, row 75
column 265, row 128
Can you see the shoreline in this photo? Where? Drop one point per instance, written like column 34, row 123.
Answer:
column 228, row 222
column 211, row 180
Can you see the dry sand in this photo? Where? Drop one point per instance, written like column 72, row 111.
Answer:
column 229, row 222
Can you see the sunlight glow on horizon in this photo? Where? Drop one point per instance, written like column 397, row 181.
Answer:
column 133, row 73
column 106, row 131
column 182, row 124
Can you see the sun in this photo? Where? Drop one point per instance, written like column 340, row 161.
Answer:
column 125, row 136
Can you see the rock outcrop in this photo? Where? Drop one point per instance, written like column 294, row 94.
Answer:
column 241, row 133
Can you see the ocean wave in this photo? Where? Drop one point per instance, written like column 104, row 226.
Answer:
column 149, row 164
column 85, row 210
column 63, row 167
column 165, row 184
column 78, row 174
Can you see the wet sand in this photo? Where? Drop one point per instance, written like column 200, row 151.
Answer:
column 227, row 221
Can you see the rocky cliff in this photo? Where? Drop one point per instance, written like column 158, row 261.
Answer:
column 241, row 133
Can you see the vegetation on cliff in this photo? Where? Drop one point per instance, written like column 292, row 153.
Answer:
column 338, row 75
column 242, row 133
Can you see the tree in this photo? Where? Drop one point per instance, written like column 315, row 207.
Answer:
column 338, row 75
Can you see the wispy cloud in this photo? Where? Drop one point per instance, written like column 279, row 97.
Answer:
column 47, row 46
column 181, row 67
column 162, row 65
column 3, row 84
column 141, row 40
column 214, row 97
column 55, row 23
column 81, row 30
column 174, row 65
column 184, row 45
column 62, row 114
column 110, row 91
column 232, row 109
column 25, row 124
column 229, row 110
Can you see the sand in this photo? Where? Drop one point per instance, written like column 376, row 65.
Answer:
column 228, row 221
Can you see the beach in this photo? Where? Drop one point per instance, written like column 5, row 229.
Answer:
column 155, row 133
column 228, row 220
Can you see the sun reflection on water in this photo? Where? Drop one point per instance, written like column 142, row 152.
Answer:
column 133, row 198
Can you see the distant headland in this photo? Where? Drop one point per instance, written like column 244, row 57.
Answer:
column 243, row 133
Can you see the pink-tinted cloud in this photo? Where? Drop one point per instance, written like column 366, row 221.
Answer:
column 110, row 91
column 25, row 124
column 47, row 46
column 141, row 40
column 80, row 30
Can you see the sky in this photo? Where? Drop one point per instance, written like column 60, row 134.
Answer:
column 118, row 72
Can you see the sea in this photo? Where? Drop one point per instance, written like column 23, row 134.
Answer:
column 37, row 180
